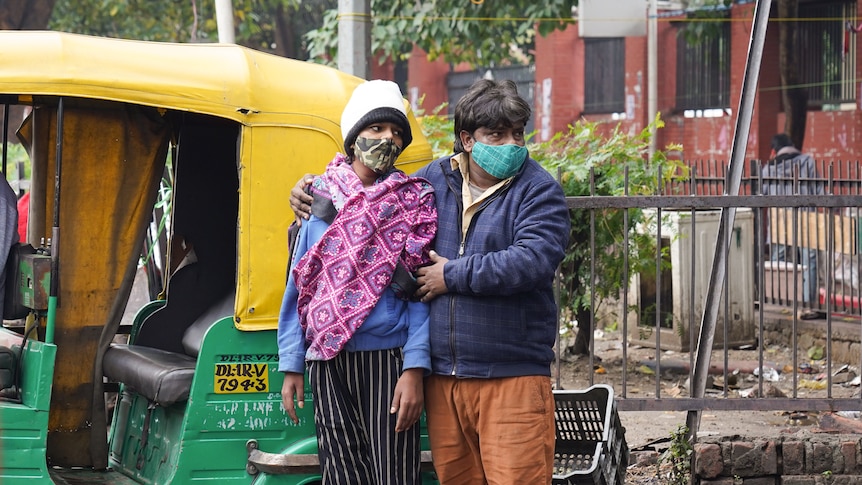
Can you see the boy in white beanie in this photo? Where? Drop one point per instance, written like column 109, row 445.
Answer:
column 345, row 313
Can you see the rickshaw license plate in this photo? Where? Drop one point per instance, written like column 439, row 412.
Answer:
column 241, row 378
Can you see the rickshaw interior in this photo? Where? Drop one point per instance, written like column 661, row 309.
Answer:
column 201, row 262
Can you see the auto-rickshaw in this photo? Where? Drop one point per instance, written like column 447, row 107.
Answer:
column 199, row 392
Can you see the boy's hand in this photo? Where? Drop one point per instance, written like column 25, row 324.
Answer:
column 430, row 279
column 408, row 400
column 293, row 387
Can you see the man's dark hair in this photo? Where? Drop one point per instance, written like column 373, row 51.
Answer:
column 489, row 104
column 780, row 141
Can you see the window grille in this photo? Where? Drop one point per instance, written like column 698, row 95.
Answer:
column 604, row 75
column 827, row 61
column 703, row 67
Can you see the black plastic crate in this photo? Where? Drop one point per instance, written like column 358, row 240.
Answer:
column 591, row 445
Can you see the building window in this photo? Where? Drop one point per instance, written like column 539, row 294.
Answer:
column 703, row 68
column 604, row 75
column 827, row 61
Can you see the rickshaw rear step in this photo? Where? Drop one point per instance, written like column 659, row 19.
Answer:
column 283, row 464
column 591, row 446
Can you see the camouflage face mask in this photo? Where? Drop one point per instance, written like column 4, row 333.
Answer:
column 377, row 154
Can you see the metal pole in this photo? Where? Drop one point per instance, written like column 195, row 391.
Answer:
column 723, row 240
column 652, row 71
column 5, row 138
column 354, row 37
column 54, row 291
column 224, row 21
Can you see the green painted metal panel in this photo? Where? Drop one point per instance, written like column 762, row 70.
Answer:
column 24, row 426
column 235, row 397
column 204, row 439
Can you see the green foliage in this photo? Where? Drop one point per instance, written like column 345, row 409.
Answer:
column 16, row 157
column 278, row 26
column 612, row 156
column 706, row 20
column 323, row 42
column 167, row 21
column 678, row 455
column 275, row 26
column 476, row 32
column 438, row 129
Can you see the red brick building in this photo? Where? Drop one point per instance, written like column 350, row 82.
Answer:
column 699, row 84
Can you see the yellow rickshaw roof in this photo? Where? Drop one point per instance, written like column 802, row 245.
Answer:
column 225, row 80
column 289, row 111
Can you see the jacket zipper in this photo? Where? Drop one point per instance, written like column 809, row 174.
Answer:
column 461, row 248
column 452, row 298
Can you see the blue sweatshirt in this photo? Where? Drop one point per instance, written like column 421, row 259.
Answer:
column 393, row 323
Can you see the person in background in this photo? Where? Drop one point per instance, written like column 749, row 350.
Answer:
column 364, row 341
column 23, row 216
column 779, row 173
column 503, row 227
column 9, row 236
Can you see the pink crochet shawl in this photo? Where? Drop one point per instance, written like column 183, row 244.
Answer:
column 341, row 278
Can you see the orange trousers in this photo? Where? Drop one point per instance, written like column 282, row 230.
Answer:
column 491, row 431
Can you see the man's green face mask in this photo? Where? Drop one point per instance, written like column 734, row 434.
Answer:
column 500, row 161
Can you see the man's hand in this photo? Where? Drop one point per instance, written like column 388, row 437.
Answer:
column 430, row 278
column 408, row 400
column 293, row 387
column 300, row 202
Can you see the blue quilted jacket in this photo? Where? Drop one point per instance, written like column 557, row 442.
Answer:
column 499, row 318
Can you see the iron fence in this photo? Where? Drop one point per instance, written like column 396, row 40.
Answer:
column 762, row 292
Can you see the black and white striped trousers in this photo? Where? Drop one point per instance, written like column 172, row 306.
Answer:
column 356, row 435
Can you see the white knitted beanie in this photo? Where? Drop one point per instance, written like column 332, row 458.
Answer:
column 373, row 102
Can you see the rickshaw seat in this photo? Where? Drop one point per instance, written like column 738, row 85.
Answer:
column 162, row 376
column 193, row 337
column 192, row 291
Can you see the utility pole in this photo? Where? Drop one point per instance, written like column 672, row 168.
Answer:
column 652, row 71
column 224, row 21
column 354, row 37
column 718, row 273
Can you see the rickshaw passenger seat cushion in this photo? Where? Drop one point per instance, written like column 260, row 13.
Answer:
column 192, row 293
column 194, row 335
column 161, row 376
column 8, row 362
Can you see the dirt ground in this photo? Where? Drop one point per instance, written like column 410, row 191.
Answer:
column 648, row 433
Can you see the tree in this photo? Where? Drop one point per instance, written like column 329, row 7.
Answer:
column 478, row 32
column 155, row 21
column 794, row 96
column 25, row 14
column 275, row 26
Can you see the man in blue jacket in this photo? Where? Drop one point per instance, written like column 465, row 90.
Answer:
column 503, row 227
